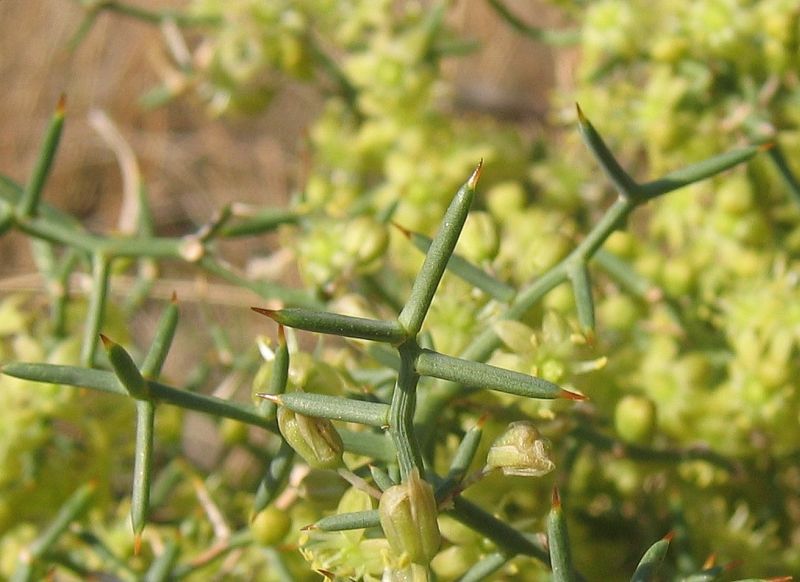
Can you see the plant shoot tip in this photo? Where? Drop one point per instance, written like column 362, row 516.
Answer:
column 268, row 312
column 271, row 397
column 572, row 395
column 581, row 117
column 137, row 544
column 61, row 105
column 476, row 175
column 669, row 537
column 556, row 499
column 107, row 343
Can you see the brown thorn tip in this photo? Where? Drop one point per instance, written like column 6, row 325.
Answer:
column 174, row 297
column 476, row 175
column 281, row 334
column 137, row 544
column 482, row 420
column 61, row 106
column 581, row 116
column 556, row 499
column 571, row 395
column 669, row 537
column 107, row 343
column 403, row 230
column 765, row 147
column 309, row 527
column 271, row 397
column 268, row 312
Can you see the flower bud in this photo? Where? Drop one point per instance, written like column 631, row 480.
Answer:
column 314, row 439
column 521, row 450
column 635, row 419
column 270, row 526
column 408, row 518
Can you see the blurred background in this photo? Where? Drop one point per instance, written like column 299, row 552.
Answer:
column 191, row 163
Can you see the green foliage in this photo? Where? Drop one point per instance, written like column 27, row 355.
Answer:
column 643, row 361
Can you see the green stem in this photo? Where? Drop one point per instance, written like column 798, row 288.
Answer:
column 777, row 157
column 552, row 37
column 558, row 541
column 29, row 202
column 347, row 521
column 275, row 477
column 369, row 444
column 108, row 382
column 478, row 375
column 582, row 290
column 69, row 512
column 59, row 291
column 401, row 413
column 502, row 534
column 613, row 218
column 143, row 465
column 107, row 556
column 335, row 408
column 181, row 249
column 101, row 270
column 161, row 569
column 470, row 273
column 331, row 67
column 335, row 324
column 437, row 257
column 162, row 341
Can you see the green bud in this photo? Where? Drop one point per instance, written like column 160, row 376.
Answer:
column 270, row 526
column 619, row 313
column 314, row 439
column 408, row 518
column 635, row 419
column 452, row 563
column 521, row 450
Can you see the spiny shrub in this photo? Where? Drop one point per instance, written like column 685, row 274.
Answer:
column 616, row 350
